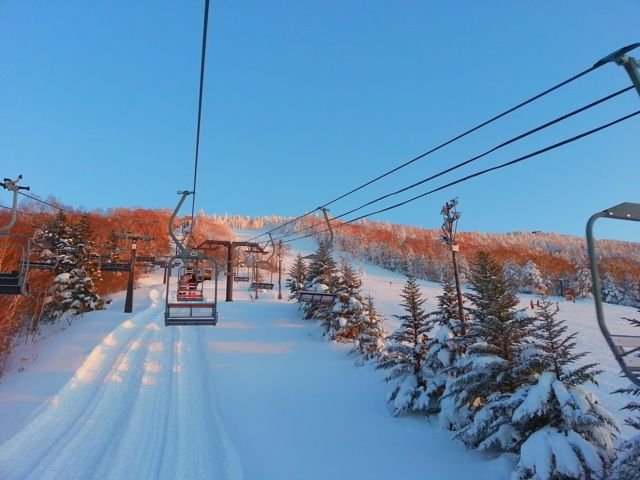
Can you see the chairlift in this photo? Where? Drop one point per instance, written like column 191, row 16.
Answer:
column 625, row 348
column 319, row 298
column 261, row 286
column 14, row 282
column 187, row 311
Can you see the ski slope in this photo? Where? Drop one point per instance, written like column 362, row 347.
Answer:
column 260, row 396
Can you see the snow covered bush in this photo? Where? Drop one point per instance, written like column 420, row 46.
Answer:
column 403, row 357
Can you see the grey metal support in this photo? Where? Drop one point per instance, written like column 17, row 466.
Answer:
column 179, row 245
column 325, row 212
column 230, row 251
column 630, row 64
column 624, row 211
column 280, row 270
column 12, row 186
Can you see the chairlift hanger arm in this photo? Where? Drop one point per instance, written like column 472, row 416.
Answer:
column 325, row 212
column 179, row 244
column 273, row 248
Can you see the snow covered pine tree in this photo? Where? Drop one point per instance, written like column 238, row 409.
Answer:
column 404, row 355
column 371, row 334
column 496, row 361
column 563, row 430
column 297, row 274
column 67, row 247
column 341, row 323
column 445, row 347
column 321, row 277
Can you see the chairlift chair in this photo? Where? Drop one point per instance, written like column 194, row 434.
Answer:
column 320, row 298
column 625, row 348
column 14, row 282
column 261, row 286
column 188, row 312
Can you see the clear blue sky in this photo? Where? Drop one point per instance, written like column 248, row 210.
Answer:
column 306, row 99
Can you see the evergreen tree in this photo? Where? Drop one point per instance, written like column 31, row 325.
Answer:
column 370, row 337
column 610, row 291
column 531, row 280
column 341, row 323
column 321, row 277
column 297, row 274
column 67, row 247
column 446, row 346
column 563, row 429
column 496, row 361
column 404, row 355
column 580, row 283
column 112, row 246
column 512, row 272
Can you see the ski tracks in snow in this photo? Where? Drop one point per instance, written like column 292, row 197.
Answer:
column 141, row 406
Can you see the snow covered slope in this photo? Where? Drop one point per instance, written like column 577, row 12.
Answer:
column 261, row 396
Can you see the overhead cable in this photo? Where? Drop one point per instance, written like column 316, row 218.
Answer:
column 479, row 173
column 448, row 142
column 200, row 91
column 470, row 160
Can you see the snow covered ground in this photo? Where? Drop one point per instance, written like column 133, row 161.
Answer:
column 260, row 396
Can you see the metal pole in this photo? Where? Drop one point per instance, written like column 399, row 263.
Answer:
column 215, row 288
column 229, row 297
column 456, row 277
column 255, row 272
column 280, row 270
column 128, row 303
column 449, row 228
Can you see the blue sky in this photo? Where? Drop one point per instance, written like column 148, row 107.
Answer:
column 307, row 99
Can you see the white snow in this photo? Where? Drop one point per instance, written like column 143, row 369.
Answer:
column 263, row 395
